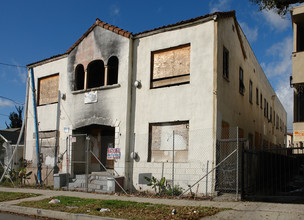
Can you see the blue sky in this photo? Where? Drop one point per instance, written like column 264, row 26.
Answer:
column 34, row 30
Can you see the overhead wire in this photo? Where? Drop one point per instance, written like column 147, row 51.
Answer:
column 18, row 103
column 12, row 65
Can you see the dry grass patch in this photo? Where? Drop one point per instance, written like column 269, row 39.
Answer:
column 122, row 209
column 8, row 196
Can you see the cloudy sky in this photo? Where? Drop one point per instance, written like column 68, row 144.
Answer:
column 34, row 30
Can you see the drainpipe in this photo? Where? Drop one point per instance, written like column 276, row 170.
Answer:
column 56, row 168
column 36, row 127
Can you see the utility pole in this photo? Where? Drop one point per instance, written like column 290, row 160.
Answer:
column 36, row 127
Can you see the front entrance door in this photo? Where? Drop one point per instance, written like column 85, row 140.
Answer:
column 101, row 138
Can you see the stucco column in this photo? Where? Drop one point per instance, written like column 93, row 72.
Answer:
column 85, row 78
column 106, row 76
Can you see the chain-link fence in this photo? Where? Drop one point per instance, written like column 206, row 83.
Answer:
column 196, row 163
column 87, row 170
column 199, row 162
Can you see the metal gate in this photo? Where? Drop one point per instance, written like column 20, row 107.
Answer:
column 273, row 175
column 228, row 156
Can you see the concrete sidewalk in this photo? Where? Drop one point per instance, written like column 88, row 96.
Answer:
column 240, row 210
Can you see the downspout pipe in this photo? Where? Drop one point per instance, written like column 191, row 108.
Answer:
column 36, row 127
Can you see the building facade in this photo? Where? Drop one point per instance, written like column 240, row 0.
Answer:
column 297, row 80
column 162, row 98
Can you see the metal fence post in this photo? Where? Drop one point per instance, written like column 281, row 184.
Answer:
column 242, row 174
column 237, row 164
column 87, row 164
column 207, row 178
column 173, row 166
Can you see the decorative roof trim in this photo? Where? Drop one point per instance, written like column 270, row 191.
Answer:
column 104, row 25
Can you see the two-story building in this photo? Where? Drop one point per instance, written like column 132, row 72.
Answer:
column 297, row 80
column 160, row 96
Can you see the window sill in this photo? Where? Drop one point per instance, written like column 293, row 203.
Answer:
column 226, row 78
column 47, row 104
column 96, row 89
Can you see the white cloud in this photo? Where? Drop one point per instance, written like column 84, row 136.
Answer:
column 220, row 5
column 251, row 33
column 6, row 103
column 275, row 21
column 285, row 94
column 283, row 63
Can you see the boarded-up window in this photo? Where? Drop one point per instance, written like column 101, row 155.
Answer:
column 48, row 89
column 164, row 137
column 225, row 130
column 47, row 144
column 170, row 66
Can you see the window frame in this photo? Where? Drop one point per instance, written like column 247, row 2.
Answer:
column 257, row 95
column 250, row 91
column 186, row 75
column 241, row 81
column 39, row 89
column 225, row 63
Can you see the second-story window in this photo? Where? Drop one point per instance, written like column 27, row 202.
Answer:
column 257, row 96
column 265, row 107
column 170, row 67
column 250, row 91
column 95, row 74
column 300, row 37
column 79, row 77
column 112, row 71
column 241, row 81
column 225, row 63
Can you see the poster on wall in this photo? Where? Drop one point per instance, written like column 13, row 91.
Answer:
column 298, row 136
column 113, row 153
column 90, row 97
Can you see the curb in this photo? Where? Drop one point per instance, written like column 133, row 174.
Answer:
column 49, row 213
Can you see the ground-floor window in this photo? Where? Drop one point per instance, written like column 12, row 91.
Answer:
column 168, row 139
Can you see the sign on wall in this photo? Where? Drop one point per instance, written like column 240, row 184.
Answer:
column 90, row 97
column 113, row 153
column 298, row 136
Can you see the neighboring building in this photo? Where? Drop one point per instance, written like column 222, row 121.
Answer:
column 181, row 84
column 297, row 80
column 10, row 138
column 289, row 140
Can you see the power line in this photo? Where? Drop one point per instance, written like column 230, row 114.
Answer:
column 4, row 115
column 6, row 64
column 18, row 103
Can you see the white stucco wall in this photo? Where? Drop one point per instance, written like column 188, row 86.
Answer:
column 47, row 114
column 190, row 102
column 235, row 108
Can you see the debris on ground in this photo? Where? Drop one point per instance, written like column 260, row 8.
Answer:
column 173, row 212
column 72, row 207
column 54, row 201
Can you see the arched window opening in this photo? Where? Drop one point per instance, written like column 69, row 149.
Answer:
column 79, row 77
column 112, row 70
column 95, row 75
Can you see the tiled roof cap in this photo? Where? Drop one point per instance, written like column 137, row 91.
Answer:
column 103, row 25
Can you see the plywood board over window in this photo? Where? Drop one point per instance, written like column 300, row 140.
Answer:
column 48, row 89
column 166, row 136
column 170, row 66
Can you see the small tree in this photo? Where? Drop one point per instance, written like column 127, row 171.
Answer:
column 15, row 118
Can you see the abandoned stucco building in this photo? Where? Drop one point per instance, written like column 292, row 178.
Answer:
column 297, row 15
column 141, row 93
